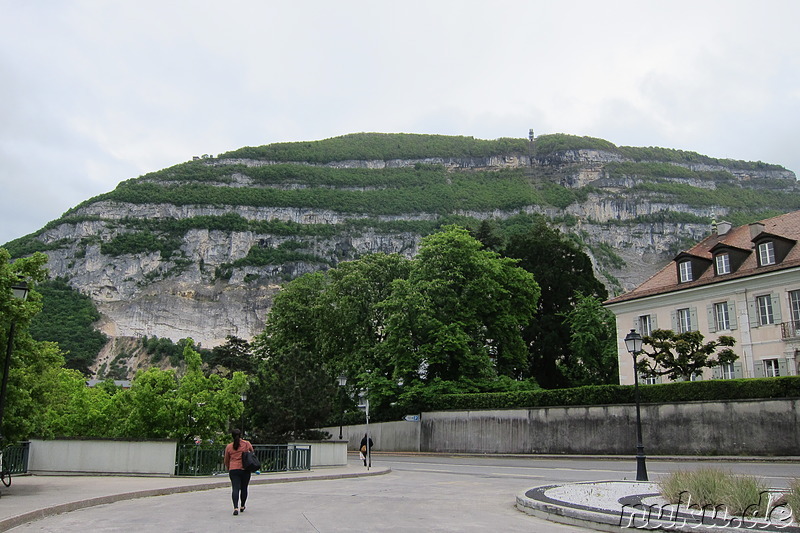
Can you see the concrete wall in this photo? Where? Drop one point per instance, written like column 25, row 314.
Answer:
column 102, row 456
column 753, row 427
column 326, row 453
column 386, row 436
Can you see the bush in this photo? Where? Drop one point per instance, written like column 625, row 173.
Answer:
column 683, row 391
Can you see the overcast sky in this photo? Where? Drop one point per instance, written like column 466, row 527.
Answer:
column 98, row 91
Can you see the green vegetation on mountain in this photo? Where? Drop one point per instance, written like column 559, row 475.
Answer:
column 380, row 146
column 67, row 318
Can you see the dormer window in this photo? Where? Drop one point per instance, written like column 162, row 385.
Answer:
column 723, row 264
column 766, row 253
column 685, row 269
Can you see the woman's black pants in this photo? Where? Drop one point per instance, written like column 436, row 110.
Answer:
column 240, row 479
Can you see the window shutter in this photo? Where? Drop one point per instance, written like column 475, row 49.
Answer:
column 751, row 310
column 783, row 367
column 674, row 316
column 737, row 371
column 693, row 317
column 732, row 314
column 716, row 373
column 653, row 322
column 758, row 369
column 776, row 310
column 636, row 324
column 712, row 324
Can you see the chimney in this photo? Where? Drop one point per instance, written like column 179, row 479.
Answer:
column 723, row 227
column 756, row 228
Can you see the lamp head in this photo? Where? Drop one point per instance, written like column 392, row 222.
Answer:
column 633, row 342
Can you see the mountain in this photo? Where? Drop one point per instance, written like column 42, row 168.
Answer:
column 200, row 249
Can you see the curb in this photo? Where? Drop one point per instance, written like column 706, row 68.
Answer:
column 38, row 514
column 639, row 515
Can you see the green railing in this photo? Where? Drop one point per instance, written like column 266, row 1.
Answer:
column 206, row 460
column 15, row 458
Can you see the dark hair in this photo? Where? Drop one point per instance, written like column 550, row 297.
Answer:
column 236, row 434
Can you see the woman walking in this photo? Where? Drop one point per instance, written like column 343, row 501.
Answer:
column 240, row 478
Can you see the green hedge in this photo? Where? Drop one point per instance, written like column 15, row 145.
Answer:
column 729, row 389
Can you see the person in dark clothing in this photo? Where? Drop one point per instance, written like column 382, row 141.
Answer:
column 366, row 449
column 240, row 478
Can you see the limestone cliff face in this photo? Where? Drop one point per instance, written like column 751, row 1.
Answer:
column 184, row 295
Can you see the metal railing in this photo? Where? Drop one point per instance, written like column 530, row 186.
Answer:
column 790, row 330
column 206, row 460
column 15, row 458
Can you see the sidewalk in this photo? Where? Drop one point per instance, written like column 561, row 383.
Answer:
column 35, row 497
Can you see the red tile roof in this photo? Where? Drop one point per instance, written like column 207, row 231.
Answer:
column 666, row 280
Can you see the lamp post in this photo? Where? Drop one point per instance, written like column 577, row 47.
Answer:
column 342, row 382
column 19, row 290
column 365, row 405
column 633, row 342
column 244, row 399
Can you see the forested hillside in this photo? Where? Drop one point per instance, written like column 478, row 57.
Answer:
column 198, row 250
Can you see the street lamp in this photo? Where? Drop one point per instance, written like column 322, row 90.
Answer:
column 244, row 399
column 19, row 290
column 633, row 342
column 342, row 382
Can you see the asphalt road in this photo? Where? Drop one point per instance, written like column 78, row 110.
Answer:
column 423, row 493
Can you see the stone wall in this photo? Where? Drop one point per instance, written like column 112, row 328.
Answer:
column 755, row 427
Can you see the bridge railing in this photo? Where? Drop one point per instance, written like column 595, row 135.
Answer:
column 206, row 460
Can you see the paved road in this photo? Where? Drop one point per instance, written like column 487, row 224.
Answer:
column 423, row 493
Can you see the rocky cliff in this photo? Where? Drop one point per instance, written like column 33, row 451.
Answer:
column 201, row 249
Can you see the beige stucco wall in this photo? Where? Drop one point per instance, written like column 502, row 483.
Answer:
column 753, row 344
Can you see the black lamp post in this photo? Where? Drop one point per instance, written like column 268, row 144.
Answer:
column 19, row 290
column 633, row 342
column 342, row 382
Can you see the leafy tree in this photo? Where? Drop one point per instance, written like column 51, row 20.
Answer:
column 460, row 313
column 29, row 359
column 561, row 269
column 682, row 355
column 292, row 392
column 593, row 346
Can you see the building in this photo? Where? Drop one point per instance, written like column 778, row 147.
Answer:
column 743, row 282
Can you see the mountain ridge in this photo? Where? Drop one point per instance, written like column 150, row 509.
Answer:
column 200, row 248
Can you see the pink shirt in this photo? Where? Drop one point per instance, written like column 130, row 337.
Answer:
column 233, row 458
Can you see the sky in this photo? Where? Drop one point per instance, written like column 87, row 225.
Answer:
column 94, row 92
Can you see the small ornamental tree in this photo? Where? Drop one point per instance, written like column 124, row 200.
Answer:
column 682, row 355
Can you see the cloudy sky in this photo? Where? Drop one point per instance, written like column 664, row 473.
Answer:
column 93, row 92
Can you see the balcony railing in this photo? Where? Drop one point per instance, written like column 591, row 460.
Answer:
column 790, row 330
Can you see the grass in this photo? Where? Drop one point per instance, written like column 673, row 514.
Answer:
column 719, row 489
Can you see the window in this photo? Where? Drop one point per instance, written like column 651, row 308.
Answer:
column 685, row 271
column 771, row 368
column 649, row 380
column 727, row 371
column 684, row 320
column 721, row 316
column 645, row 325
column 794, row 305
column 764, row 308
column 766, row 253
column 723, row 262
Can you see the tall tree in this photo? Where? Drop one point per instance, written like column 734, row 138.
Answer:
column 561, row 269
column 593, row 345
column 460, row 313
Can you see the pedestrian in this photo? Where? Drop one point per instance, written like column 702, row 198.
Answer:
column 365, row 449
column 240, row 478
